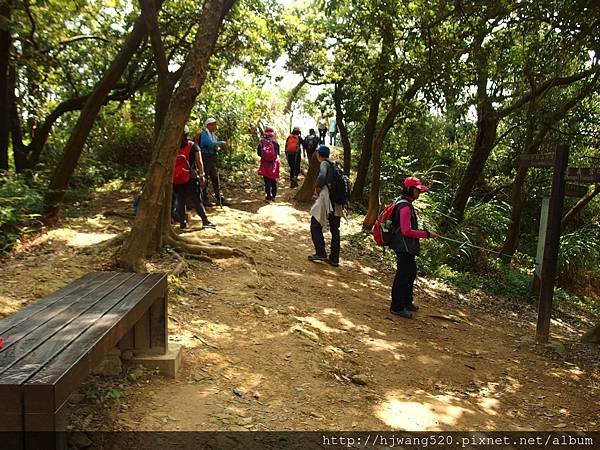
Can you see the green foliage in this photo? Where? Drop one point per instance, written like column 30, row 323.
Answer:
column 20, row 204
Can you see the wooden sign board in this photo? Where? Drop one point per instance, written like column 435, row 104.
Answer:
column 575, row 190
column 541, row 160
column 585, row 174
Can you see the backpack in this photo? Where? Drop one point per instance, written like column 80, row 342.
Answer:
column 383, row 230
column 268, row 150
column 182, row 170
column 339, row 185
column 311, row 142
column 292, row 143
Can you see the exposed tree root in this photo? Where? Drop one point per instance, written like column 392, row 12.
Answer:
column 213, row 251
column 181, row 265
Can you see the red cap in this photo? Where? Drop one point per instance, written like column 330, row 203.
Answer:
column 415, row 182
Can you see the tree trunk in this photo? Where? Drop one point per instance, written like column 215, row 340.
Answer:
column 74, row 147
column 376, row 90
column 19, row 149
column 305, row 193
column 292, row 96
column 487, row 124
column 164, row 90
column 341, row 126
column 386, row 126
column 583, row 201
column 5, row 43
column 367, row 145
column 140, row 242
column 532, row 146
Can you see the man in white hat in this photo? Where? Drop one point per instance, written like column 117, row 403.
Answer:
column 209, row 145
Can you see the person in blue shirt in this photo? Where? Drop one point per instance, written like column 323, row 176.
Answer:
column 209, row 145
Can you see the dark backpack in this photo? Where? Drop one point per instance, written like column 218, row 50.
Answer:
column 339, row 185
column 182, row 173
column 311, row 142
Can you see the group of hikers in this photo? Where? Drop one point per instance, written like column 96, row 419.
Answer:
column 196, row 164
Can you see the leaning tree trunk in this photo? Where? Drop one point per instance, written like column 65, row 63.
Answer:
column 386, row 126
column 74, row 147
column 341, row 125
column 305, row 193
column 583, row 201
column 5, row 43
column 141, row 241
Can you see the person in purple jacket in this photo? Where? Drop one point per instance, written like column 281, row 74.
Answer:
column 405, row 244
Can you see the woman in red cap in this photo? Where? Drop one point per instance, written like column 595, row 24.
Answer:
column 268, row 150
column 406, row 245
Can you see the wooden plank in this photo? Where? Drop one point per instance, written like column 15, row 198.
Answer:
column 141, row 333
column 48, row 389
column 158, row 325
column 576, row 190
column 541, row 160
column 32, row 334
column 39, row 305
column 583, row 174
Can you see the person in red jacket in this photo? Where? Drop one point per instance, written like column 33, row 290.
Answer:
column 405, row 244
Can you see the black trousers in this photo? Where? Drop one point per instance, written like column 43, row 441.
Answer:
column 294, row 160
column 322, row 134
column 270, row 187
column 212, row 175
column 189, row 194
column 316, row 233
column 404, row 281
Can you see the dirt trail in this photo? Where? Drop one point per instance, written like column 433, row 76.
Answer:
column 275, row 342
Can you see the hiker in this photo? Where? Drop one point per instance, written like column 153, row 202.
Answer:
column 188, row 175
column 332, row 131
column 268, row 150
column 325, row 212
column 293, row 153
column 405, row 244
column 209, row 145
column 311, row 142
column 322, row 124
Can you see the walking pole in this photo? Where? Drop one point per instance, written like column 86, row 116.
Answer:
column 220, row 193
column 474, row 246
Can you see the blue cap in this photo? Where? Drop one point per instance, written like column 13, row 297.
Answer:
column 323, row 150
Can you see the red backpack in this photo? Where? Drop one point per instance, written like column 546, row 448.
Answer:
column 291, row 145
column 268, row 150
column 383, row 230
column 181, row 172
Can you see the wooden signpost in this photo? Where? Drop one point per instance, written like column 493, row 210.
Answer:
column 551, row 234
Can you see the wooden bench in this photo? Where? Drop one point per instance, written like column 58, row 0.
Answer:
column 53, row 344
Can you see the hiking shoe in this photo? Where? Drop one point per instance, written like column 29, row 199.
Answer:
column 183, row 226
column 402, row 313
column 412, row 307
column 333, row 263
column 208, row 204
column 209, row 225
column 268, row 199
column 315, row 258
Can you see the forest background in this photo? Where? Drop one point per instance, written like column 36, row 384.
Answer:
column 452, row 92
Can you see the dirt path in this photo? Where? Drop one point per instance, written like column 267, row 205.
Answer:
column 275, row 342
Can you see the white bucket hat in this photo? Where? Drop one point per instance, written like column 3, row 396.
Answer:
column 210, row 120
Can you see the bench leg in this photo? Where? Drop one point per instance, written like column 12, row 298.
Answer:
column 149, row 335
